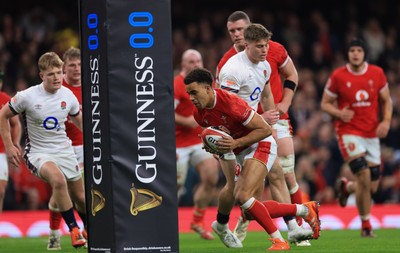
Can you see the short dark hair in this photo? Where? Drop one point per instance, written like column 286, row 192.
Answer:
column 256, row 32
column 358, row 42
column 199, row 75
column 238, row 15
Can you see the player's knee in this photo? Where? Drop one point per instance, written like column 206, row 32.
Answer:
column 52, row 207
column 241, row 194
column 241, row 197
column 294, row 189
column 181, row 174
column 287, row 163
column 374, row 186
column 209, row 176
column 375, row 172
column 259, row 192
column 180, row 181
column 209, row 182
column 358, row 164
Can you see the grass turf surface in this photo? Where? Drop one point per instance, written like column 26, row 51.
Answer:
column 387, row 240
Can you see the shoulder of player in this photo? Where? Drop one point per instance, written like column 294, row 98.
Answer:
column 373, row 67
column 227, row 97
column 31, row 91
column 66, row 92
column 4, row 98
column 339, row 70
column 178, row 80
column 277, row 52
column 273, row 45
column 228, row 54
column 233, row 64
column 4, row 95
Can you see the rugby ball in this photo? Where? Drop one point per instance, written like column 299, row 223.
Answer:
column 210, row 136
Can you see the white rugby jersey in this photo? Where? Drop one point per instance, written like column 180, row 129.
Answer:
column 44, row 115
column 245, row 78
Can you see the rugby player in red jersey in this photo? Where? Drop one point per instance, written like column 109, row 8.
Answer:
column 357, row 96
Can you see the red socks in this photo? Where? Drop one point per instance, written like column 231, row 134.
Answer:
column 198, row 215
column 296, row 199
column 55, row 220
column 277, row 209
column 262, row 216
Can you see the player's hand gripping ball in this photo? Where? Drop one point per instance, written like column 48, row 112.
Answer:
column 210, row 136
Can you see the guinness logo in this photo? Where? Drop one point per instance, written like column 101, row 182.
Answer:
column 143, row 199
column 98, row 201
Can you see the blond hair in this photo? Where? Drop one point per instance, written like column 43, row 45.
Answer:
column 49, row 59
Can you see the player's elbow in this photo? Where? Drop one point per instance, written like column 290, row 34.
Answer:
column 266, row 131
column 324, row 106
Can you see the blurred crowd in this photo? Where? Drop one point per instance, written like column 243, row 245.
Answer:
column 314, row 32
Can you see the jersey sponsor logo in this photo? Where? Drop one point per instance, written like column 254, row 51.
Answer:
column 51, row 123
column 362, row 96
column 255, row 95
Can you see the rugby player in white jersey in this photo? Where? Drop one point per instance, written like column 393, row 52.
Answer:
column 48, row 153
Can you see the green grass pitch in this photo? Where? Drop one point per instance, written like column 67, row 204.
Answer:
column 387, row 240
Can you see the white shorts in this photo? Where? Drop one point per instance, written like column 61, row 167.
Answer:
column 67, row 163
column 189, row 156
column 79, row 153
column 3, row 167
column 265, row 151
column 283, row 129
column 353, row 145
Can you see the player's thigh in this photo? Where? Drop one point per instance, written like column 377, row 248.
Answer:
column 230, row 168
column 49, row 166
column 69, row 166
column 3, row 167
column 252, row 175
column 351, row 147
column 205, row 164
column 76, row 190
column 265, row 151
column 78, row 150
column 182, row 164
column 284, row 137
column 276, row 173
column 285, row 146
column 373, row 155
column 51, row 173
column 45, row 167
